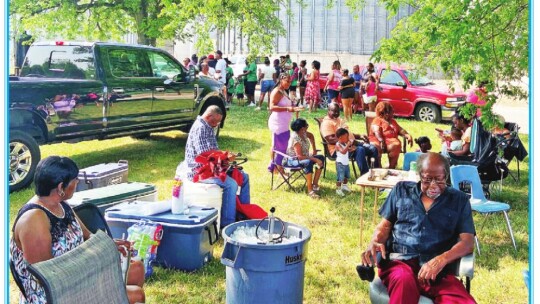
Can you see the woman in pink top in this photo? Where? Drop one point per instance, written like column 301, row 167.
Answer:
column 333, row 82
column 281, row 108
column 371, row 93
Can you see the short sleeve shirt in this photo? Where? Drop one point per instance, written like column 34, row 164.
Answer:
column 252, row 69
column 221, row 66
column 426, row 234
column 297, row 139
column 329, row 126
column 466, row 137
column 201, row 138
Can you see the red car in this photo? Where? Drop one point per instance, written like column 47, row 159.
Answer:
column 411, row 94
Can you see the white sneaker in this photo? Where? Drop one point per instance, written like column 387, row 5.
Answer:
column 251, row 105
column 340, row 192
column 346, row 188
column 257, row 108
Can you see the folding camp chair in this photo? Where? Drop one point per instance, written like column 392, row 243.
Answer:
column 92, row 218
column 288, row 174
column 466, row 174
column 90, row 273
column 329, row 156
column 514, row 148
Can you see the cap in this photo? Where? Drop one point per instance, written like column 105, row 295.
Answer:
column 211, row 56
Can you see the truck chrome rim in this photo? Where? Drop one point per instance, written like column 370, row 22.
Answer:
column 20, row 162
column 426, row 114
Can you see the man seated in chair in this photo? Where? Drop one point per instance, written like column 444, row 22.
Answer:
column 424, row 220
column 201, row 138
column 329, row 125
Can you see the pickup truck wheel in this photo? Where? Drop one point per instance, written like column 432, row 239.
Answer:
column 325, row 100
column 428, row 112
column 24, row 155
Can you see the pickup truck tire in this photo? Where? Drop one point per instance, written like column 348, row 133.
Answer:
column 428, row 112
column 24, row 155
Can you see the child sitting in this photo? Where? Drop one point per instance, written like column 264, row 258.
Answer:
column 423, row 143
column 453, row 142
column 343, row 146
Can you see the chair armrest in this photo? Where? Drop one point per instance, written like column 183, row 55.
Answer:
column 466, row 266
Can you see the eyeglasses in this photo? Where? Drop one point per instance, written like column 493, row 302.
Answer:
column 429, row 180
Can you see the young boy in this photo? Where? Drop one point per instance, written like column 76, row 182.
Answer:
column 240, row 90
column 343, row 146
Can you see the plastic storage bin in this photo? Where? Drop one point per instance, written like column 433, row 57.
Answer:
column 109, row 196
column 103, row 175
column 188, row 239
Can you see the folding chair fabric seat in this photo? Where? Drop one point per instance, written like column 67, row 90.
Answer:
column 288, row 174
column 89, row 274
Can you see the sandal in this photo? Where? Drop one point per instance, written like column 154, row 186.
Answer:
column 313, row 195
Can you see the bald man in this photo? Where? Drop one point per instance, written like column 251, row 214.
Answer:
column 431, row 225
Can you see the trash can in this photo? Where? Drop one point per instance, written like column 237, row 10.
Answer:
column 265, row 272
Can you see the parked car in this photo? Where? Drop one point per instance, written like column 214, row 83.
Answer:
column 412, row 94
column 73, row 91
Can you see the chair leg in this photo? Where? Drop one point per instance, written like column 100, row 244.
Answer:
column 324, row 171
column 510, row 229
column 354, row 169
column 477, row 244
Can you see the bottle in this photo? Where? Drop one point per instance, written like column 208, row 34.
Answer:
column 177, row 201
column 413, row 175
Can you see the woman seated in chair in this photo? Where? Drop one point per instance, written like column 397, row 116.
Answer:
column 463, row 124
column 47, row 227
column 298, row 150
column 384, row 133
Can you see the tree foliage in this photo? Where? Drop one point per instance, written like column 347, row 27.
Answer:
column 479, row 40
column 152, row 20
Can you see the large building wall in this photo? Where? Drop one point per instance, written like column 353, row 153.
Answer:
column 316, row 32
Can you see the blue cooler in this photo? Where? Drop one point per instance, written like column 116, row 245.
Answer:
column 188, row 239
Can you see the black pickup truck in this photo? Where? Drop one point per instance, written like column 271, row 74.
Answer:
column 75, row 91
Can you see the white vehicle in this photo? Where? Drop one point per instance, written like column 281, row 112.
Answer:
column 238, row 63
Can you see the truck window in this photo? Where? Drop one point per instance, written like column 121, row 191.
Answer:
column 390, row 77
column 52, row 61
column 164, row 66
column 128, row 63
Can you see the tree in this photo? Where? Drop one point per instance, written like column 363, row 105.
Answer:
column 152, row 20
column 480, row 40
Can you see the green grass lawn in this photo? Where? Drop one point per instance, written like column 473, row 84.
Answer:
column 335, row 247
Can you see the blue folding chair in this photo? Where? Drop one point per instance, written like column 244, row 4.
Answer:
column 408, row 158
column 466, row 174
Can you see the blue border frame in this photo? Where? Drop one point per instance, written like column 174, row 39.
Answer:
column 531, row 150
column 6, row 158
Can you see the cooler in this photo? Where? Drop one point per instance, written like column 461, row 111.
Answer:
column 188, row 239
column 109, row 196
column 103, row 175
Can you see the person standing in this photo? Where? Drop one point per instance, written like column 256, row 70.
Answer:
column 294, row 72
column 229, row 82
column 366, row 76
column 429, row 225
column 372, row 87
column 333, row 81
column 313, row 89
column 251, row 80
column 302, row 75
column 281, row 109
column 221, row 71
column 357, row 81
column 346, row 88
column 266, row 78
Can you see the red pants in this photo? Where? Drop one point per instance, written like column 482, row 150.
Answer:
column 401, row 279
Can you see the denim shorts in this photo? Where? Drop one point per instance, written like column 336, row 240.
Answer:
column 343, row 171
column 306, row 163
column 332, row 94
column 267, row 86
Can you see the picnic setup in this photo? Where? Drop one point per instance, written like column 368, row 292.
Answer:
column 259, row 237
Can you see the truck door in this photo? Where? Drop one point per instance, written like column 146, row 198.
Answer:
column 173, row 93
column 391, row 90
column 129, row 89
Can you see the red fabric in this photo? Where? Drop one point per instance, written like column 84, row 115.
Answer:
column 251, row 211
column 400, row 277
column 214, row 164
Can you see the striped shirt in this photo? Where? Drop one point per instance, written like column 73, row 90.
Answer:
column 201, row 138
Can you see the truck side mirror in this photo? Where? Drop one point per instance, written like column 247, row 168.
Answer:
column 401, row 84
